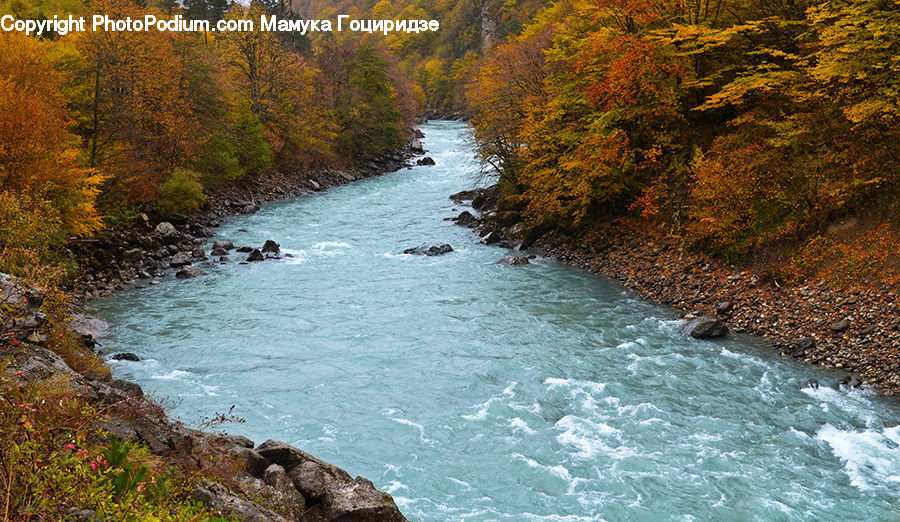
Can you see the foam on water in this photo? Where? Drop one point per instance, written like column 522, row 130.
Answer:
column 870, row 457
column 473, row 391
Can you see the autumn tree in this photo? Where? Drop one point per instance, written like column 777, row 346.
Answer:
column 280, row 87
column 132, row 103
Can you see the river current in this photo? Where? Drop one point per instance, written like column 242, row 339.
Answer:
column 475, row 391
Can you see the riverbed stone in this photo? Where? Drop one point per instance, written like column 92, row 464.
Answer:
column 513, row 260
column 180, row 259
column 256, row 256
column 705, row 327
column 429, row 249
column 490, row 238
column 126, row 356
column 466, row 219
column 425, row 161
column 224, row 245
column 190, row 272
column 271, row 247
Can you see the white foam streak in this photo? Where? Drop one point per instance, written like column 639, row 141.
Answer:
column 868, row 456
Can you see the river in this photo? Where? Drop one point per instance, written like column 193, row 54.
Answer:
column 471, row 390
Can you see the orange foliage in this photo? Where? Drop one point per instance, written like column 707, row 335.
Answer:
column 38, row 156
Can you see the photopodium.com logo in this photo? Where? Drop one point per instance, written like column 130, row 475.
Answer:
column 178, row 23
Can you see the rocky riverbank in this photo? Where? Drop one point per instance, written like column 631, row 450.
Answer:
column 855, row 330
column 154, row 247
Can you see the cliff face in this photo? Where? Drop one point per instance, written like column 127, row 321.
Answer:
column 230, row 475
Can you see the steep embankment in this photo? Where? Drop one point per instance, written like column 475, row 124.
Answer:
column 854, row 329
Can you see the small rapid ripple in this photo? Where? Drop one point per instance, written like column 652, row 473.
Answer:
column 474, row 391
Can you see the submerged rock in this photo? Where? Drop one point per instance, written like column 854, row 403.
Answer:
column 429, row 249
column 705, row 327
column 852, row 381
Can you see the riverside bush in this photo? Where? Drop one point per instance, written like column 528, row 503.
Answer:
column 181, row 192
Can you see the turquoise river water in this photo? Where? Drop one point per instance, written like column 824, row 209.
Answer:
column 474, row 391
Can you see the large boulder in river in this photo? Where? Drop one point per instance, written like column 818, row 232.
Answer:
column 329, row 488
column 271, row 247
column 429, row 249
column 255, row 256
column 705, row 327
column 425, row 161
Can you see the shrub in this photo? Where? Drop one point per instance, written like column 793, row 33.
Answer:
column 181, row 192
column 50, row 461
